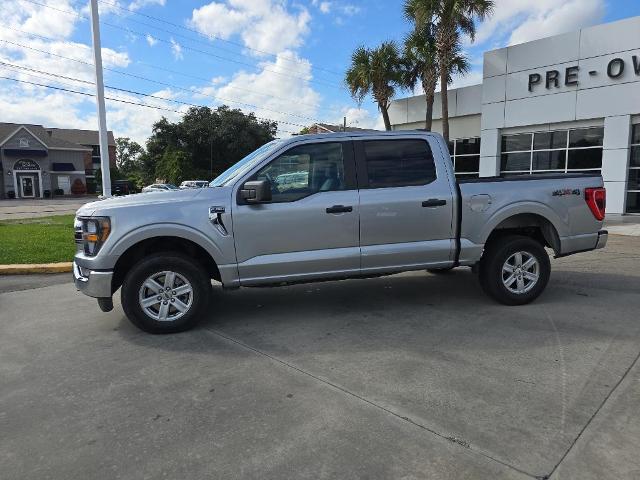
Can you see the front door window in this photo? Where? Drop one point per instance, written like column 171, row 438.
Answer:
column 27, row 186
column 304, row 171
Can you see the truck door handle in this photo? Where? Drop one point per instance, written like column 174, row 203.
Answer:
column 339, row 209
column 434, row 202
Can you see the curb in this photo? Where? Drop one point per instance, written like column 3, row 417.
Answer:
column 25, row 269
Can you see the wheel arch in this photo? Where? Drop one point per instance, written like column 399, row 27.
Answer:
column 158, row 244
column 527, row 223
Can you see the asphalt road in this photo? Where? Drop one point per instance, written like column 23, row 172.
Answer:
column 405, row 377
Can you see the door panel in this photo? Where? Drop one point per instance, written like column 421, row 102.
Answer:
column 404, row 226
column 289, row 241
column 310, row 228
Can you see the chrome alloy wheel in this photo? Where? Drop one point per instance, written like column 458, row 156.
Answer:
column 165, row 296
column 520, row 273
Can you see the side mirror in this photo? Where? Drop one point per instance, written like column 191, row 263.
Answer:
column 257, row 191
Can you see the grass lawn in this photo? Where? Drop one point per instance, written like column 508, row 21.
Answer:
column 37, row 240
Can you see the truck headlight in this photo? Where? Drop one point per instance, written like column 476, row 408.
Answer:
column 94, row 231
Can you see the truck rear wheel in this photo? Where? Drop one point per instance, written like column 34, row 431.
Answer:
column 514, row 270
column 165, row 293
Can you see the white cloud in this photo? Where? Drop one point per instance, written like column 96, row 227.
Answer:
column 264, row 25
column 569, row 16
column 288, row 94
column 136, row 122
column 138, row 4
column 517, row 21
column 176, row 49
column 360, row 118
column 151, row 40
column 24, row 103
column 325, row 7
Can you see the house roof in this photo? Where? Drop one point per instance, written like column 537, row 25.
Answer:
column 55, row 137
column 339, row 128
column 81, row 137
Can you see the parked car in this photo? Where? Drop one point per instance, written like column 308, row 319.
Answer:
column 372, row 204
column 159, row 187
column 194, row 184
column 123, row 187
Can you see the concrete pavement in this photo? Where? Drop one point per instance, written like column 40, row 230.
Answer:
column 27, row 208
column 411, row 376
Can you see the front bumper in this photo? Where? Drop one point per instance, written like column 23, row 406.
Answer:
column 603, row 236
column 94, row 283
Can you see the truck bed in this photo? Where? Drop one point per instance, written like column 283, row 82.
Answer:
column 549, row 200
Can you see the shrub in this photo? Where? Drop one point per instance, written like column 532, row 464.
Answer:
column 78, row 188
column 58, row 191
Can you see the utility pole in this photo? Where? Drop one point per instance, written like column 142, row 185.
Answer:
column 344, row 124
column 102, row 114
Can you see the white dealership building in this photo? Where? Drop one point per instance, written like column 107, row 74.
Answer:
column 563, row 104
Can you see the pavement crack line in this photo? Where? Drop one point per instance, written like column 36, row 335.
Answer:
column 602, row 404
column 451, row 439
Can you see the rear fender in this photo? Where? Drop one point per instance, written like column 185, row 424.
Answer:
column 533, row 208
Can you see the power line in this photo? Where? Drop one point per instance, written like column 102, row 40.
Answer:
column 175, row 72
column 133, row 92
column 86, row 94
column 176, row 25
column 165, row 84
column 186, row 47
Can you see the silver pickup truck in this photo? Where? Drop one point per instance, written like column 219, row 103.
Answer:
column 328, row 207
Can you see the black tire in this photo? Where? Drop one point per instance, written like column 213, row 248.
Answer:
column 186, row 269
column 440, row 271
column 493, row 278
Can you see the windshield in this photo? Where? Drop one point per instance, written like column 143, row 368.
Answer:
column 171, row 186
column 245, row 164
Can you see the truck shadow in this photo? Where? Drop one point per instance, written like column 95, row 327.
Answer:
column 398, row 309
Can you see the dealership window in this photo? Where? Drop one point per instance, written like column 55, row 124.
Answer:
column 633, row 184
column 560, row 151
column 465, row 154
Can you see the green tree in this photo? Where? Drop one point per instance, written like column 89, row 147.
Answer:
column 211, row 139
column 128, row 155
column 377, row 72
column 451, row 19
column 420, row 65
column 114, row 174
column 174, row 167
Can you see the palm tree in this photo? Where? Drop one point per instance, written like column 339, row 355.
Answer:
column 420, row 65
column 376, row 71
column 450, row 19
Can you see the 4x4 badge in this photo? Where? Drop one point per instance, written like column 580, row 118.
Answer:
column 566, row 191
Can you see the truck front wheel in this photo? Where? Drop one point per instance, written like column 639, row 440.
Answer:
column 514, row 269
column 165, row 293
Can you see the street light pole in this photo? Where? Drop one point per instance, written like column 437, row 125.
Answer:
column 102, row 114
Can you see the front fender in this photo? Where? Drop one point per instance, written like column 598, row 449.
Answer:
column 115, row 247
column 167, row 230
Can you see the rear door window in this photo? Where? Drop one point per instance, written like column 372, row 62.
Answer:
column 398, row 163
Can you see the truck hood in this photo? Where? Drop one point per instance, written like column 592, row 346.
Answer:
column 141, row 199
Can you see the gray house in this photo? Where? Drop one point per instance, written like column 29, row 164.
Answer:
column 35, row 160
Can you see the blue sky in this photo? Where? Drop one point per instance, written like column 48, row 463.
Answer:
column 282, row 59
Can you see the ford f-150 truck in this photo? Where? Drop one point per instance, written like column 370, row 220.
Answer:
column 327, row 207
